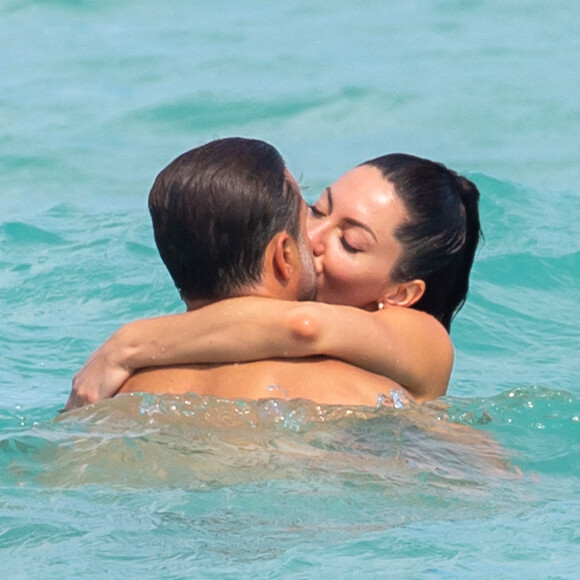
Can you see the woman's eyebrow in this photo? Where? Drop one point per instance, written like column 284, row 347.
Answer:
column 358, row 224
column 349, row 221
column 328, row 192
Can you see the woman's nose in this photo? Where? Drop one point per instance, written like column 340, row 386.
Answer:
column 316, row 230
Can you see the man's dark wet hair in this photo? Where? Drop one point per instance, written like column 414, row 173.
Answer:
column 215, row 209
column 441, row 236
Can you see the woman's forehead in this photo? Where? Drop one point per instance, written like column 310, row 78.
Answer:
column 364, row 194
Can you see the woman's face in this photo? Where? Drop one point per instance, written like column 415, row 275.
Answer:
column 352, row 228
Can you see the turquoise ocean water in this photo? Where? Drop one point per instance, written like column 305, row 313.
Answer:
column 95, row 98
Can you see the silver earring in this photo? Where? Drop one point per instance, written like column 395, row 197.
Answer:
column 380, row 305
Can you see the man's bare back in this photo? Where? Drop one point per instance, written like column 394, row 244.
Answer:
column 320, row 380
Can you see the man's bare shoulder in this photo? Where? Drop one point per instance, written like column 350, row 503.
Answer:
column 162, row 380
column 332, row 382
column 234, row 381
column 322, row 380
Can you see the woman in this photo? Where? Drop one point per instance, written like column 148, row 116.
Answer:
column 393, row 240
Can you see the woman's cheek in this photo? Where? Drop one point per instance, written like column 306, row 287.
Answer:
column 343, row 271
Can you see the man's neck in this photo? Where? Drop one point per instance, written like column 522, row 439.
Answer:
column 196, row 304
column 259, row 290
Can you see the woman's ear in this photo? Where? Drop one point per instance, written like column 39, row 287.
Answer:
column 406, row 294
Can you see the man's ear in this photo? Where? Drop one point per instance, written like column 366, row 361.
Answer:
column 406, row 294
column 282, row 256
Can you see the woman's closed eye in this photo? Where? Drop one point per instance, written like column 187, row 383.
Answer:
column 315, row 211
column 350, row 249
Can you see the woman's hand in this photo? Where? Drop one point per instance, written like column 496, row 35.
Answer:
column 100, row 377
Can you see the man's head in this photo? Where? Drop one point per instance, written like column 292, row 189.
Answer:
column 226, row 217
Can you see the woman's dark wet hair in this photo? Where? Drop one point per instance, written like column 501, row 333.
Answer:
column 440, row 239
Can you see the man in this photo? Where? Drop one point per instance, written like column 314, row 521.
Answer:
column 229, row 221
